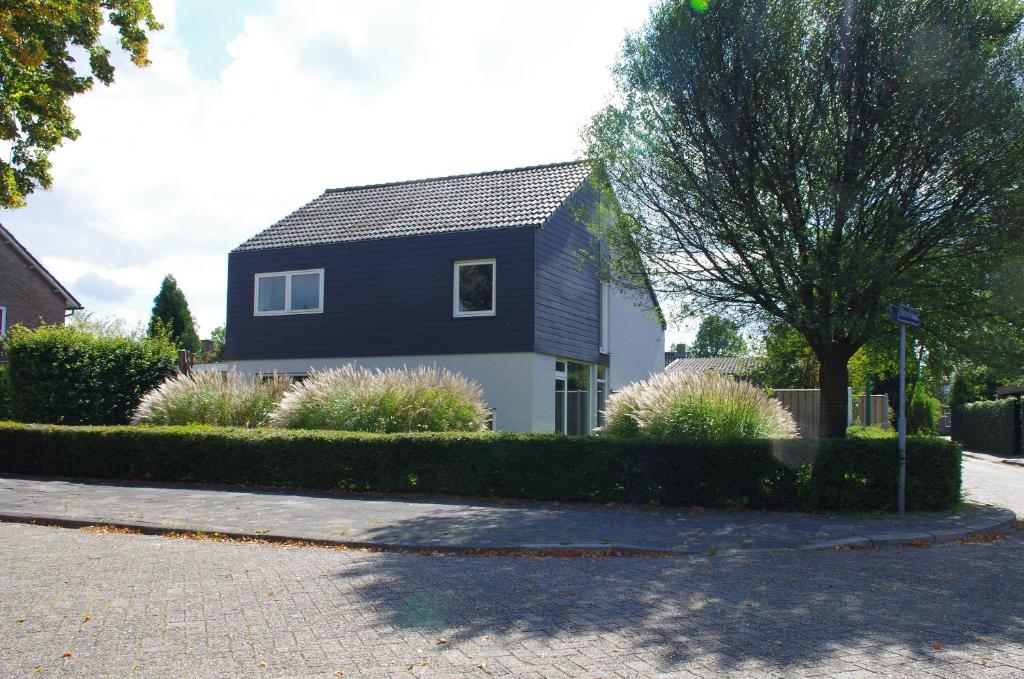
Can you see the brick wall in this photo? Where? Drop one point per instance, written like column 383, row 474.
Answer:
column 26, row 294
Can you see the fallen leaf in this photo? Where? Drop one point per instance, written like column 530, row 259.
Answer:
column 262, row 665
column 270, row 594
column 39, row 668
column 86, row 618
column 570, row 594
column 339, row 673
column 983, row 661
column 66, row 654
column 529, row 589
column 442, row 641
column 20, row 620
column 937, row 645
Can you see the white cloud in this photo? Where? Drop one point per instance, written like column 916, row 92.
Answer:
column 173, row 170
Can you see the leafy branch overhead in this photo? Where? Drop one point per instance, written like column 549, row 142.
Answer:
column 806, row 162
column 42, row 43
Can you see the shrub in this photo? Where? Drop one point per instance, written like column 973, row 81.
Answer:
column 870, row 432
column 353, row 398
column 922, row 413
column 989, row 426
column 706, row 407
column 67, row 374
column 5, row 394
column 848, row 475
column 208, row 397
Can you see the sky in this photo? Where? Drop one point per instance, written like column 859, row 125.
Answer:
column 251, row 108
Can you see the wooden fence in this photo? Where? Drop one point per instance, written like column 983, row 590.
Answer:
column 805, row 404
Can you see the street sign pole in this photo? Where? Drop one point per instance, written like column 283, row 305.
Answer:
column 901, row 497
column 903, row 315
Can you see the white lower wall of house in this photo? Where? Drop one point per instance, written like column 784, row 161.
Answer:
column 636, row 340
column 518, row 386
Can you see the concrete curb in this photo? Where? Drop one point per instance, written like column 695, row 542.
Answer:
column 995, row 525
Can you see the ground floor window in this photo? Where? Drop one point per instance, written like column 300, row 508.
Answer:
column 572, row 398
column 602, row 393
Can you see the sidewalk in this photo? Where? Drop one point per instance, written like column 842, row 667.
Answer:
column 462, row 525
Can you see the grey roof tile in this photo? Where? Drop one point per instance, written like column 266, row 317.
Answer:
column 725, row 365
column 517, row 197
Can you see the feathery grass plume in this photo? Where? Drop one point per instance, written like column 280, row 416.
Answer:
column 209, row 397
column 708, row 406
column 353, row 398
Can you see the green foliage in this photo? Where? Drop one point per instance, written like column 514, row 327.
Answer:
column 353, row 398
column 841, row 475
column 808, row 164
column 923, row 412
column 171, row 315
column 5, row 394
column 62, row 374
column 785, row 360
column 862, row 431
column 219, row 338
column 41, row 74
column 989, row 426
column 718, row 336
column 708, row 407
column 209, row 397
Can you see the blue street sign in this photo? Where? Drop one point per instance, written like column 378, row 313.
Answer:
column 907, row 315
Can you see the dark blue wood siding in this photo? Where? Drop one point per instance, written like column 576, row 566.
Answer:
column 568, row 291
column 387, row 297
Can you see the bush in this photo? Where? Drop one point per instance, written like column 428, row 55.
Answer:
column 922, row 413
column 5, row 394
column 353, row 398
column 849, row 475
column 208, row 397
column 870, row 432
column 989, row 426
column 708, row 407
column 66, row 374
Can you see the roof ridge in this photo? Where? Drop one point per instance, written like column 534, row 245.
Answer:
column 525, row 168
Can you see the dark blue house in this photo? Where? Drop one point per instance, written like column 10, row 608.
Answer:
column 479, row 273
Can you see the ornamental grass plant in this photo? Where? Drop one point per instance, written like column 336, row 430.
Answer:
column 709, row 407
column 353, row 398
column 207, row 397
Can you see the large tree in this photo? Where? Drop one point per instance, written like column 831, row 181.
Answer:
column 39, row 73
column 718, row 336
column 808, row 161
column 172, row 316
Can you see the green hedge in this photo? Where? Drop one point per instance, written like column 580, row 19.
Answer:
column 849, row 475
column 5, row 394
column 989, row 426
column 66, row 375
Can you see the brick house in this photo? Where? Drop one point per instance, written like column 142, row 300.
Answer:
column 29, row 294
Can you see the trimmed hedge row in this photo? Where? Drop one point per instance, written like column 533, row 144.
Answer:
column 64, row 374
column 989, row 426
column 850, row 475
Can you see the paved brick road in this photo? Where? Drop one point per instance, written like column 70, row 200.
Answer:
column 126, row 605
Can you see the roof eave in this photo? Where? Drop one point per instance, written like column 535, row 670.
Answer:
column 70, row 303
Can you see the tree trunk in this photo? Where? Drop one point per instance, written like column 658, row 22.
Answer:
column 833, row 379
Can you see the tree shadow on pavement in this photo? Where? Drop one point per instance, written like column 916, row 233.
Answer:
column 941, row 606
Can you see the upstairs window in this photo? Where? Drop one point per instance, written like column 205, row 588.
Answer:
column 3, row 321
column 289, row 292
column 474, row 288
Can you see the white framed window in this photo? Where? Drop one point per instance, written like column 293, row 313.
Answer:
column 602, row 394
column 474, row 288
column 3, row 321
column 572, row 398
column 289, row 292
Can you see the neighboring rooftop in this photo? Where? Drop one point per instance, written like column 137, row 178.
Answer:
column 724, row 365
column 7, row 238
column 522, row 196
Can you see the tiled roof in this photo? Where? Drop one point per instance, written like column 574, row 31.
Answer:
column 518, row 197
column 70, row 303
column 725, row 365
